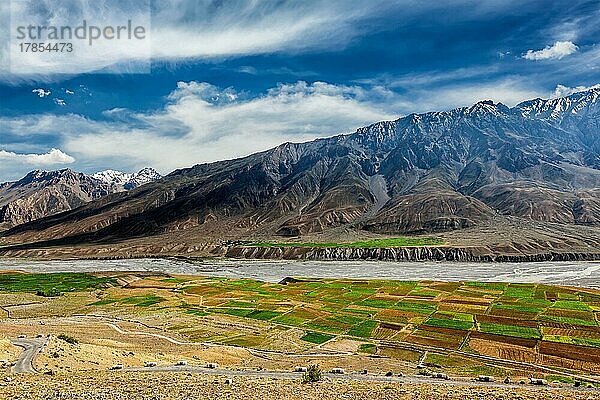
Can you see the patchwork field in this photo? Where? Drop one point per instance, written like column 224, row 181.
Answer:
column 467, row 328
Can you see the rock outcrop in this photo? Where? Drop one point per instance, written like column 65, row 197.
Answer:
column 394, row 254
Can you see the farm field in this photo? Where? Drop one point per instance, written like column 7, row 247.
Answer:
column 374, row 243
column 443, row 325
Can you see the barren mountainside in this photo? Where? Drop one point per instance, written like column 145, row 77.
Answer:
column 43, row 193
column 434, row 172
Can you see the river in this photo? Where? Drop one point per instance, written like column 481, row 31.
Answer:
column 584, row 274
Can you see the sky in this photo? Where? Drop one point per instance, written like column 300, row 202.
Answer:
column 221, row 79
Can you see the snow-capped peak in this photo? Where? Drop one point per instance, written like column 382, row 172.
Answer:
column 559, row 108
column 127, row 180
column 113, row 177
column 143, row 176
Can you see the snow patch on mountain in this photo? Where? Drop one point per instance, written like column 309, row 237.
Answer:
column 559, row 108
column 126, row 180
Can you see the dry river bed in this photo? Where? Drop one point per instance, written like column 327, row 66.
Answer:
column 581, row 273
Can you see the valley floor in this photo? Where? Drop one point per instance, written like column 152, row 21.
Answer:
column 78, row 327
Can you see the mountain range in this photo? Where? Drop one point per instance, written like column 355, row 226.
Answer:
column 521, row 179
column 44, row 193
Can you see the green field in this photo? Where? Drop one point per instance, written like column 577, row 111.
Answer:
column 368, row 348
column 51, row 284
column 375, row 243
column 139, row 301
column 511, row 330
column 450, row 323
column 318, row 310
column 317, row 338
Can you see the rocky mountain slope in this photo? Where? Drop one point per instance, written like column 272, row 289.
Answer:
column 44, row 193
column 435, row 172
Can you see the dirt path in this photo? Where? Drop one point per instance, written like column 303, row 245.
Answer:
column 31, row 348
column 259, row 353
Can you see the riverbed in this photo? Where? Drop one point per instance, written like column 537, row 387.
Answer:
column 584, row 274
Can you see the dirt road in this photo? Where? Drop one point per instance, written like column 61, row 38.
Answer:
column 31, row 348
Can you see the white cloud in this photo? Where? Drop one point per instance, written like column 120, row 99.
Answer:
column 208, row 30
column 510, row 92
column 203, row 123
column 41, row 92
column 187, row 29
column 204, row 91
column 195, row 126
column 53, row 157
column 562, row 90
column 557, row 51
column 453, row 88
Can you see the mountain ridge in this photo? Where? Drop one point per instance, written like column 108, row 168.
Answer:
column 43, row 193
column 441, row 171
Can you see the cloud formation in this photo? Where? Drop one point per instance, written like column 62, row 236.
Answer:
column 51, row 158
column 41, row 92
column 562, row 90
column 453, row 88
column 202, row 123
column 557, row 51
column 186, row 29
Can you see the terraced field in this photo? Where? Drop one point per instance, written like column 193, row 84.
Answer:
column 540, row 324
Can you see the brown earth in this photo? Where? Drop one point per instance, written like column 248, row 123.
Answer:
column 175, row 386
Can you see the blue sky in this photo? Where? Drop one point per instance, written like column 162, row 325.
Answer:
column 231, row 77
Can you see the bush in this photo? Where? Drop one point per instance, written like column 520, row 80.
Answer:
column 48, row 293
column 313, row 374
column 68, row 339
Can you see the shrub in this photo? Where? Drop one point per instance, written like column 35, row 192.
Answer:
column 68, row 339
column 313, row 374
column 48, row 293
